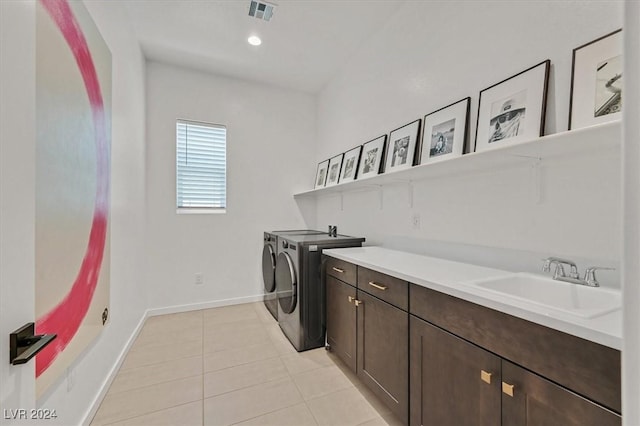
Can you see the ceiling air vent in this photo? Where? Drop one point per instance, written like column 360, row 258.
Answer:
column 261, row 10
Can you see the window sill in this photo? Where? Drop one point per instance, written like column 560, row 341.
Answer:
column 200, row 211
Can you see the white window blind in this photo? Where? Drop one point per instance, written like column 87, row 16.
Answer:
column 201, row 165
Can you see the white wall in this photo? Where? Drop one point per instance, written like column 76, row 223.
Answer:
column 631, row 266
column 270, row 145
column 430, row 54
column 17, row 194
column 17, row 189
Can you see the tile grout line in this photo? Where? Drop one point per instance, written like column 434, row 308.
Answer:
column 279, row 356
column 160, row 362
column 237, row 365
column 146, row 414
column 304, row 401
column 154, row 384
column 143, row 387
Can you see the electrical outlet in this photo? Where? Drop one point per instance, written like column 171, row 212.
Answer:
column 199, row 279
column 415, row 221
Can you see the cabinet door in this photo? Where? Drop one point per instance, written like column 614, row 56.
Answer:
column 528, row 399
column 453, row 382
column 341, row 320
column 383, row 334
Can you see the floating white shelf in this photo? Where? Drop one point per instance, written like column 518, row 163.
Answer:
column 570, row 143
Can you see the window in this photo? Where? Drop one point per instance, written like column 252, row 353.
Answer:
column 201, row 167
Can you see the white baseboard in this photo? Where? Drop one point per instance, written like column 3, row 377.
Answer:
column 204, row 305
column 93, row 409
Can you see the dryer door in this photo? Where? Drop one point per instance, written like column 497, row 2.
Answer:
column 286, row 282
column 269, row 268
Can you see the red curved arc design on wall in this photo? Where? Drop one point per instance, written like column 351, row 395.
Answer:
column 65, row 318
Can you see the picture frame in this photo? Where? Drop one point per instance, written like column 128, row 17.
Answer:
column 333, row 171
column 403, row 143
column 513, row 110
column 596, row 81
column 445, row 132
column 350, row 163
column 321, row 174
column 371, row 157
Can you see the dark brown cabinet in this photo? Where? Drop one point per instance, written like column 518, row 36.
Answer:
column 462, row 364
column 448, row 361
column 369, row 334
column 341, row 320
column 529, row 399
column 452, row 381
column 455, row 382
column 383, row 333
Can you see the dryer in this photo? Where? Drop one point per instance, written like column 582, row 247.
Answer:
column 300, row 288
column 269, row 252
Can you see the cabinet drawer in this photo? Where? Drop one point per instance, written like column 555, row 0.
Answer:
column 385, row 287
column 344, row 271
column 585, row 367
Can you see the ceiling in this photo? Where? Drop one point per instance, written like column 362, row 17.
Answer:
column 303, row 45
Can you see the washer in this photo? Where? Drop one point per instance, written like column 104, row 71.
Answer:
column 269, row 253
column 300, row 289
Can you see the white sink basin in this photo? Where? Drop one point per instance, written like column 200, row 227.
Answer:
column 559, row 296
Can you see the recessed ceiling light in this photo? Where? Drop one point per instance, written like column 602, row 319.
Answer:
column 254, row 41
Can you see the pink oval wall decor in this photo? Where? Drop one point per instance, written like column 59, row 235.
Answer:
column 67, row 316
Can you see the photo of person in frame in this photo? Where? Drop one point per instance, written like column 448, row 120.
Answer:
column 370, row 160
column 400, row 151
column 321, row 175
column 608, row 87
column 507, row 117
column 442, row 138
column 348, row 168
column 333, row 173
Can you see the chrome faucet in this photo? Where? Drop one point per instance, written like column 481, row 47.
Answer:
column 574, row 277
column 559, row 272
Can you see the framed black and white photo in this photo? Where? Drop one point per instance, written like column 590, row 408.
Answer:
column 321, row 174
column 445, row 132
column 596, row 82
column 350, row 164
column 371, row 157
column 334, row 170
column 513, row 110
column 402, row 147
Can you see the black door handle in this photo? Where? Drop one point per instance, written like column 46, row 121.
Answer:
column 24, row 344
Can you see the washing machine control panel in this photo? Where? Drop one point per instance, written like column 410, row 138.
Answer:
column 288, row 245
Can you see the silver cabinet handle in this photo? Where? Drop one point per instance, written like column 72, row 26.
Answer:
column 378, row 286
column 341, row 271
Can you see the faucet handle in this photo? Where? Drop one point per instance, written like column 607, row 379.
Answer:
column 546, row 267
column 559, row 272
column 590, row 274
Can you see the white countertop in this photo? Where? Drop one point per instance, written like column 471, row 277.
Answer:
column 451, row 278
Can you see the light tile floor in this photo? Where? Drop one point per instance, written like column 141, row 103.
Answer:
column 233, row 365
